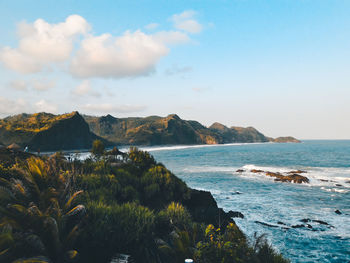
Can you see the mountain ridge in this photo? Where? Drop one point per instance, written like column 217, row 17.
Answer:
column 156, row 130
column 49, row 132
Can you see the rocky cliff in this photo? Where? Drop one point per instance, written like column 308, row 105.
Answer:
column 47, row 132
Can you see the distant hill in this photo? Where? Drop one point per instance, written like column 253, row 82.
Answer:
column 47, row 132
column 155, row 130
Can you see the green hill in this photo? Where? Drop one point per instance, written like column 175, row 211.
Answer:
column 155, row 130
column 47, row 132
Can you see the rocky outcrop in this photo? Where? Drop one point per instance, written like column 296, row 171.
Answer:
column 203, row 208
column 291, row 176
column 48, row 132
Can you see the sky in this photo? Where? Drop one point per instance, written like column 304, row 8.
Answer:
column 282, row 66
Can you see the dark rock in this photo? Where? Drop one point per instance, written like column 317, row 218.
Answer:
column 265, row 224
column 323, row 180
column 305, row 220
column 309, row 226
column 292, row 178
column 281, row 223
column 338, row 212
column 321, row 222
column 240, row 171
column 203, row 208
column 298, row 226
column 236, row 193
column 297, row 172
column 338, row 185
column 256, row 171
column 235, row 214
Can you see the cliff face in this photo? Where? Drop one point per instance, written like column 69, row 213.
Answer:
column 172, row 129
column 47, row 132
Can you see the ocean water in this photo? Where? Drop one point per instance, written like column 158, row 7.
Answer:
column 280, row 205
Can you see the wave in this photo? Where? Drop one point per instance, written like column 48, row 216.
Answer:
column 209, row 169
column 181, row 147
column 330, row 179
column 336, row 179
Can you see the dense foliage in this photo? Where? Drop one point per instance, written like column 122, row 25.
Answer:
column 54, row 210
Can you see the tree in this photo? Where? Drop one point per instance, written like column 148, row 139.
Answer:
column 98, row 148
column 38, row 213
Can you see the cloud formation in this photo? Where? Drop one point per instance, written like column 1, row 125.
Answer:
column 71, row 43
column 42, row 84
column 186, row 22
column 10, row 107
column 39, row 84
column 19, row 85
column 132, row 54
column 41, row 44
column 84, row 89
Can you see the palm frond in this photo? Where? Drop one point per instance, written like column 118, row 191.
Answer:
column 71, row 199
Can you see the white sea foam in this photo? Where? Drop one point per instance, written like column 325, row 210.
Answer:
column 181, row 147
column 335, row 178
column 210, row 169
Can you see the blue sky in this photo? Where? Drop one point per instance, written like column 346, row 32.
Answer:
column 280, row 66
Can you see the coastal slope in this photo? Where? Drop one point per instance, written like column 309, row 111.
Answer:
column 47, row 132
column 155, row 130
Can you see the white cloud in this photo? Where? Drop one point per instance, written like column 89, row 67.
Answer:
column 10, row 107
column 42, row 43
column 45, row 106
column 132, row 54
column 18, row 85
column 152, row 26
column 111, row 108
column 186, row 22
column 42, row 84
column 70, row 43
column 84, row 89
column 17, row 61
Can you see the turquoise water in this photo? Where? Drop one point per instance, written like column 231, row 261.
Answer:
column 260, row 198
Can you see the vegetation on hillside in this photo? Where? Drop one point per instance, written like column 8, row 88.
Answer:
column 172, row 129
column 47, row 132
column 52, row 210
column 32, row 122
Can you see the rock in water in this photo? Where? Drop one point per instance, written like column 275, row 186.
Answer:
column 235, row 214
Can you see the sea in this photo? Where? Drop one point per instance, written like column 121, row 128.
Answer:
column 299, row 220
